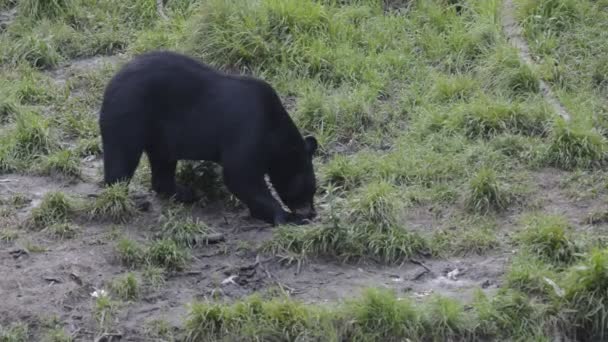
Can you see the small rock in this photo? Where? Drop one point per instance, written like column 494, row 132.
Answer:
column 453, row 274
column 230, row 280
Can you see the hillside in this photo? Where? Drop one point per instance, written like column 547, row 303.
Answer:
column 461, row 184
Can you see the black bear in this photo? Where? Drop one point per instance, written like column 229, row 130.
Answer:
column 173, row 107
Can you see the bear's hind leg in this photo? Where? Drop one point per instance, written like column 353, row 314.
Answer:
column 163, row 180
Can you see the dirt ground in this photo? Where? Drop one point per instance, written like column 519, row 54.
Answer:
column 60, row 280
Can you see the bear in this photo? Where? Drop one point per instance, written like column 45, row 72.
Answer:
column 174, row 107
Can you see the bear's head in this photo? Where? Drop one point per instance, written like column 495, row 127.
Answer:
column 296, row 183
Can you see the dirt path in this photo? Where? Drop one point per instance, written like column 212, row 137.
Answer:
column 513, row 32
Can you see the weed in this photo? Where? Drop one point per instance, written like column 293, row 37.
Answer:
column 153, row 276
column 485, row 193
column 88, row 147
column 126, row 287
column 130, row 252
column 532, row 275
column 63, row 230
column 8, row 111
column 506, row 73
column 550, row 238
column 55, row 208
column 446, row 319
column 8, row 235
column 509, row 313
column 19, row 200
column 58, row 334
column 475, row 240
column 379, row 315
column 547, row 15
column 166, row 253
column 159, row 329
column 454, row 88
column 32, row 248
column 104, row 310
column 346, row 171
column 571, row 147
column 38, row 9
column 251, row 318
column 32, row 48
column 184, row 231
column 64, row 163
column 114, row 203
column 376, row 205
column 14, row 333
column 487, row 119
column 585, row 292
column 31, row 137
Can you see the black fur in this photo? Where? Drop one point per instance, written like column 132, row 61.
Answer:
column 173, row 107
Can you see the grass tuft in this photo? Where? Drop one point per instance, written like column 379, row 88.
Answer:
column 32, row 137
column 126, row 287
column 114, row 203
column 64, row 163
column 586, row 287
column 40, row 9
column 63, row 230
column 375, row 205
column 485, row 193
column 55, row 208
column 572, row 147
column 186, row 231
column 446, row 319
column 130, row 252
column 550, row 238
column 379, row 315
column 167, row 254
column 14, row 333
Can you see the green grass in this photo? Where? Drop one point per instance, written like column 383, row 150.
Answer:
column 126, row 287
column 585, row 294
column 8, row 235
column 177, row 225
column 486, row 193
column 63, row 230
column 467, row 240
column 114, row 204
column 167, row 254
column 62, row 163
column 58, row 335
column 153, row 277
column 54, row 208
column 572, row 148
column 130, row 253
column 104, row 311
column 550, row 238
column 38, row 9
column 14, row 333
column 30, row 139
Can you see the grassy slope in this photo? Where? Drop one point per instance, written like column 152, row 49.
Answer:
column 421, row 108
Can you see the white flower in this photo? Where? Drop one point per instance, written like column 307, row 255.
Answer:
column 99, row 293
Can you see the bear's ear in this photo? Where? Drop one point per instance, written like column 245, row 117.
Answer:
column 311, row 144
